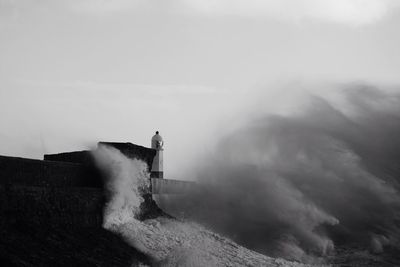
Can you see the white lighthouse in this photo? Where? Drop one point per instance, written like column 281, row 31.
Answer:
column 157, row 170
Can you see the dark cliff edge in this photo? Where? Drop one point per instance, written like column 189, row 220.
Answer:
column 51, row 212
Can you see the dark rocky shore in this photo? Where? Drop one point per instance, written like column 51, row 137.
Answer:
column 25, row 244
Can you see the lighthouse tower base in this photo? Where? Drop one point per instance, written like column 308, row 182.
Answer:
column 157, row 167
column 157, row 175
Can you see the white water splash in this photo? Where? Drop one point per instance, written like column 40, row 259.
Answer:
column 125, row 181
column 167, row 241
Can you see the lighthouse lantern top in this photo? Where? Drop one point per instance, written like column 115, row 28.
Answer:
column 157, row 141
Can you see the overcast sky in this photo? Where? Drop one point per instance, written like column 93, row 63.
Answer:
column 76, row 72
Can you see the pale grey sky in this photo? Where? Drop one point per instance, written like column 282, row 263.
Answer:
column 75, row 72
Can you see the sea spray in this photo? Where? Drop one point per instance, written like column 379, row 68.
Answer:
column 167, row 241
column 126, row 181
column 295, row 185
